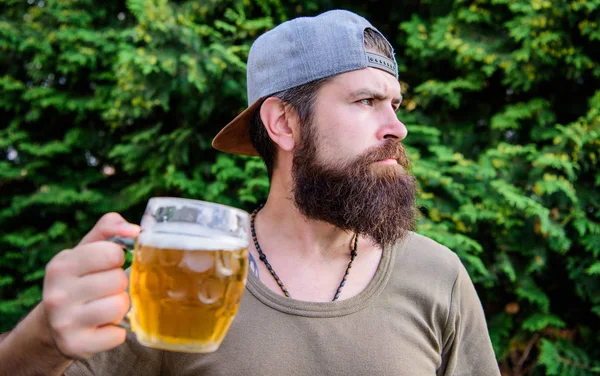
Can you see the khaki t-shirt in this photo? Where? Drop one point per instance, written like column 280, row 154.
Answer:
column 420, row 315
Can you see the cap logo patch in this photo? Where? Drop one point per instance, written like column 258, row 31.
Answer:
column 382, row 62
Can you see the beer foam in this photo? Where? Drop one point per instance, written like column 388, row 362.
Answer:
column 180, row 237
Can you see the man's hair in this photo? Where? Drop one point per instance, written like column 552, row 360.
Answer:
column 302, row 99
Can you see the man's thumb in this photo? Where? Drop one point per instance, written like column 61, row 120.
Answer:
column 111, row 224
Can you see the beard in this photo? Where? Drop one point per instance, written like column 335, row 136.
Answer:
column 371, row 199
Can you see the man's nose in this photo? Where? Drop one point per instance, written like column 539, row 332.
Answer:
column 392, row 128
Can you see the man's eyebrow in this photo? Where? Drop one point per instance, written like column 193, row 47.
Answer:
column 373, row 94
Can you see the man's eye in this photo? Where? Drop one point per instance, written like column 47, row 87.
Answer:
column 367, row 101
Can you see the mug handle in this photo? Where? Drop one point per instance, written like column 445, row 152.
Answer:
column 129, row 244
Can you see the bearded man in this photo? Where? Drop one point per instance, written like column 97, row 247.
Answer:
column 341, row 284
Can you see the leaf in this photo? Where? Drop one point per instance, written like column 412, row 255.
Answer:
column 594, row 269
column 538, row 322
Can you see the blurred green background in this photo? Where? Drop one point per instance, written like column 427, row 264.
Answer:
column 105, row 104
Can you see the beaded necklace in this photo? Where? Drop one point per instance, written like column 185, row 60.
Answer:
column 276, row 277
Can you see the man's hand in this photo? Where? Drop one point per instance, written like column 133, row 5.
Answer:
column 85, row 291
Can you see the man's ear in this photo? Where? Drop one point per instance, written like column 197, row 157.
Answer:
column 279, row 123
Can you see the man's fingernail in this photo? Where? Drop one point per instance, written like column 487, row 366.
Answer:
column 128, row 226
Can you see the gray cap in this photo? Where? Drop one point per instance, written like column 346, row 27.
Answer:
column 295, row 53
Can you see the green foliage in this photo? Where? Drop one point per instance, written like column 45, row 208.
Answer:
column 103, row 105
column 512, row 85
column 106, row 105
column 563, row 359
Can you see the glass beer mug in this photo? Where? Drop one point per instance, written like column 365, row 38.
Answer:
column 188, row 274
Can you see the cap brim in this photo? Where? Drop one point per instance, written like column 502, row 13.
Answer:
column 235, row 137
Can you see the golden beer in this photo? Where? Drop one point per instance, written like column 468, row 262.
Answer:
column 186, row 289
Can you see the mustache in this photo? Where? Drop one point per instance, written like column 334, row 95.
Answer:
column 390, row 150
